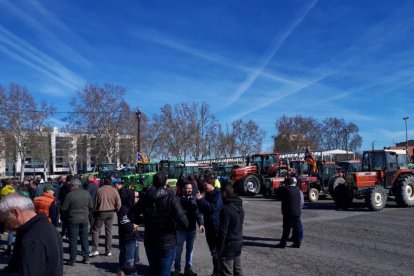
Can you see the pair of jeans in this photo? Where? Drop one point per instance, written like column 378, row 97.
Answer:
column 231, row 266
column 188, row 237
column 75, row 230
column 100, row 219
column 295, row 224
column 128, row 257
column 212, row 237
column 160, row 261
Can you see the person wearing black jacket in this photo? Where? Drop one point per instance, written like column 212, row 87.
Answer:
column 128, row 237
column 161, row 212
column 210, row 204
column 38, row 246
column 230, row 234
column 292, row 202
column 187, row 235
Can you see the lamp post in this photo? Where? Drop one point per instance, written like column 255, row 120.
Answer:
column 138, row 114
column 406, row 135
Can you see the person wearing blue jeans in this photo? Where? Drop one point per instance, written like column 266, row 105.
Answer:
column 128, row 237
column 162, row 213
column 187, row 235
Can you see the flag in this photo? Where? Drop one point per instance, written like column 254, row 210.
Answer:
column 309, row 159
column 142, row 158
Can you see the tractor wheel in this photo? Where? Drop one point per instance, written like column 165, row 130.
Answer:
column 375, row 198
column 342, row 197
column 313, row 195
column 335, row 182
column 404, row 195
column 251, row 185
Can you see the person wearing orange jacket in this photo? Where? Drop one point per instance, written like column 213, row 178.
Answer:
column 46, row 204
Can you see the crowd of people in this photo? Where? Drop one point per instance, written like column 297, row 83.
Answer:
column 170, row 219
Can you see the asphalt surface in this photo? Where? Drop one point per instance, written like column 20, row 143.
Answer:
column 353, row 242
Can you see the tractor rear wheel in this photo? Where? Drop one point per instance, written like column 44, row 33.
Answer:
column 313, row 195
column 251, row 185
column 335, row 182
column 342, row 197
column 404, row 195
column 375, row 198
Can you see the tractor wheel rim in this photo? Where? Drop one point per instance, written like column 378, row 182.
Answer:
column 409, row 192
column 378, row 199
column 313, row 195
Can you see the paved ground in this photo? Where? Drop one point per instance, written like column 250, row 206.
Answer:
column 353, row 242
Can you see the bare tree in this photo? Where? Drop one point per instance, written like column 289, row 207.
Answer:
column 22, row 118
column 100, row 112
column 296, row 133
column 248, row 137
column 338, row 134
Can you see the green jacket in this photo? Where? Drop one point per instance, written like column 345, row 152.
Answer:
column 77, row 205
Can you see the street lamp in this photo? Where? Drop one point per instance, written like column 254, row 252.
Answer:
column 406, row 135
column 138, row 114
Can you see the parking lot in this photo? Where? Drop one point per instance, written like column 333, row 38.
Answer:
column 353, row 242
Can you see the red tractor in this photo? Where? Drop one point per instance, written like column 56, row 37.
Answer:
column 384, row 173
column 250, row 179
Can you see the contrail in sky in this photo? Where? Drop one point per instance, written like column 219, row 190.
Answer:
column 275, row 46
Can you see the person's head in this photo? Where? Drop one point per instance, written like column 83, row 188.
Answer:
column 61, row 179
column 33, row 184
column 16, row 210
column 160, row 180
column 76, row 183
column 136, row 197
column 49, row 189
column 90, row 178
column 118, row 185
column 228, row 191
column 69, row 178
column 187, row 188
column 107, row 181
column 208, row 183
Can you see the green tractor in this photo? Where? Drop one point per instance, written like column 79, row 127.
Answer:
column 173, row 169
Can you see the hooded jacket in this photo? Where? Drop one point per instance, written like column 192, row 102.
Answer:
column 210, row 206
column 230, row 234
column 162, row 212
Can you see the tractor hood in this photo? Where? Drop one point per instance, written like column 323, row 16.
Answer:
column 239, row 173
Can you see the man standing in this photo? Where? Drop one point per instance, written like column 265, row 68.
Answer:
column 77, row 205
column 92, row 187
column 46, row 204
column 38, row 247
column 128, row 238
column 230, row 235
column 63, row 192
column 210, row 205
column 291, row 210
column 162, row 212
column 107, row 203
column 188, row 234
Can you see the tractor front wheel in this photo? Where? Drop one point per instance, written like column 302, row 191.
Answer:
column 313, row 195
column 404, row 195
column 375, row 198
column 251, row 185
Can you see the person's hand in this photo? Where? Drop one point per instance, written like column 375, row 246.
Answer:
column 202, row 229
column 199, row 196
column 135, row 226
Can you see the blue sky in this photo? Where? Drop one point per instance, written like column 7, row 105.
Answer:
column 248, row 59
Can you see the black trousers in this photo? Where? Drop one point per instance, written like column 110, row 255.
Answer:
column 290, row 223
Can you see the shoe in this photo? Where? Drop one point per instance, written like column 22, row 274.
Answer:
column 280, row 245
column 295, row 246
column 189, row 272
column 86, row 261
column 176, row 273
column 94, row 253
column 108, row 254
column 71, row 263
